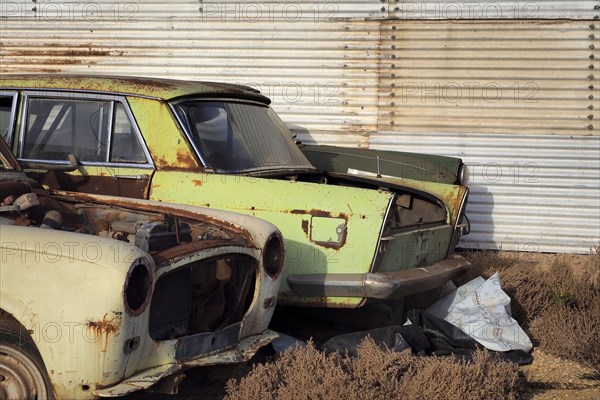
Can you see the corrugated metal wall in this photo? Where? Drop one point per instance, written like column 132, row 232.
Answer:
column 319, row 62
column 512, row 87
column 518, row 101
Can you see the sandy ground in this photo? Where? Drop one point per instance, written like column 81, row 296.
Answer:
column 549, row 378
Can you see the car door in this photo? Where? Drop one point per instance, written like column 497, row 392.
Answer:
column 83, row 142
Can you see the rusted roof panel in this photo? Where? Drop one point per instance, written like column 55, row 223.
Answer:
column 157, row 88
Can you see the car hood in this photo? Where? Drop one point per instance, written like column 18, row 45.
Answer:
column 412, row 166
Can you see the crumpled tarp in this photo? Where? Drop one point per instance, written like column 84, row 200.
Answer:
column 474, row 316
column 481, row 309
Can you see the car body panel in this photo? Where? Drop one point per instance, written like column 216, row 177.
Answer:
column 68, row 289
column 407, row 205
column 156, row 88
column 414, row 166
column 291, row 204
column 166, row 141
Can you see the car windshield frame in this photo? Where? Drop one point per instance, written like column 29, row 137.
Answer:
column 290, row 168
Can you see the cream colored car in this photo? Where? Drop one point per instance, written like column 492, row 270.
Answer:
column 102, row 296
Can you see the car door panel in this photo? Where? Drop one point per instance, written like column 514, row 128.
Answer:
column 85, row 144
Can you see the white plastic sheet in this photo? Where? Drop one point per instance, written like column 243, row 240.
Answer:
column 481, row 309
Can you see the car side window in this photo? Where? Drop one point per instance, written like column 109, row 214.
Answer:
column 125, row 146
column 92, row 130
column 58, row 127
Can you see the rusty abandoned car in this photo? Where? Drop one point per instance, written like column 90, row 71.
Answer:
column 360, row 225
column 104, row 296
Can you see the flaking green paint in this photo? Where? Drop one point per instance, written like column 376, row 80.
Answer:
column 286, row 204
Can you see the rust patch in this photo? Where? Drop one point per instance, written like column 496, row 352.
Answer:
column 197, row 182
column 185, row 160
column 334, row 245
column 160, row 162
column 105, row 326
column 61, row 53
column 170, row 210
column 314, row 212
column 305, row 226
column 102, row 329
column 319, row 213
column 177, row 253
column 290, row 298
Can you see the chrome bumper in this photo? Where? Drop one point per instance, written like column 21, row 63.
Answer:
column 146, row 379
column 379, row 285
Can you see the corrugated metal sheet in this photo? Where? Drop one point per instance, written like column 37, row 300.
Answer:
column 518, row 101
column 512, row 83
column 528, row 192
column 493, row 76
column 497, row 9
column 319, row 62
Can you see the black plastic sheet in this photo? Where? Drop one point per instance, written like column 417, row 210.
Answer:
column 426, row 335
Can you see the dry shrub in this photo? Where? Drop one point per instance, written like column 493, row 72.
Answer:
column 571, row 329
column 557, row 301
column 306, row 373
column 443, row 378
column 485, row 263
column 571, row 333
column 535, row 291
column 301, row 373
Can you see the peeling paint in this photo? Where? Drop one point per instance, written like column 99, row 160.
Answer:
column 305, row 226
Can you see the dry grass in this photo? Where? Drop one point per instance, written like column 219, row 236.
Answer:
column 306, row 373
column 556, row 298
column 571, row 329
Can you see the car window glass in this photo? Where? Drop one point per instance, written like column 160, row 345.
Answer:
column 240, row 137
column 5, row 117
column 125, row 146
column 57, row 127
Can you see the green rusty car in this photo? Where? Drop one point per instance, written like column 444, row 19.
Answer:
column 359, row 225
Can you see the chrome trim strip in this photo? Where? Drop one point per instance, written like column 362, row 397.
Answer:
column 111, row 125
column 90, row 163
column 187, row 134
column 376, row 258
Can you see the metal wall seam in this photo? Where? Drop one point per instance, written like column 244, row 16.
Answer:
column 496, row 10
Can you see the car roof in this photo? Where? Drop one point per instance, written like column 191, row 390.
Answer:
column 160, row 88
